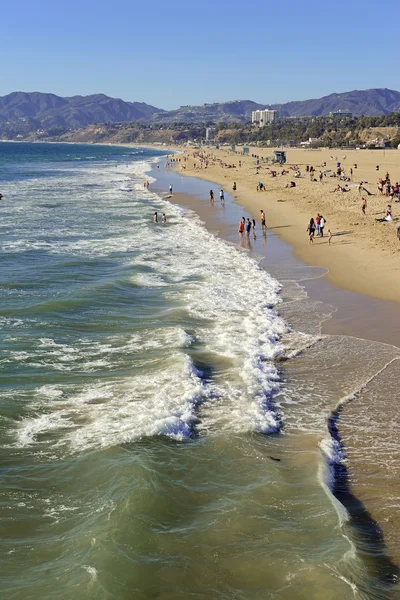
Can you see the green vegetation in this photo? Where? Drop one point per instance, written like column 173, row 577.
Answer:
column 323, row 131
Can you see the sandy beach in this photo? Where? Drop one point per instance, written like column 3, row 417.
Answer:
column 364, row 254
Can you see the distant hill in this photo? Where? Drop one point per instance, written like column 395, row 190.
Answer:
column 49, row 110
column 42, row 116
column 373, row 102
column 229, row 112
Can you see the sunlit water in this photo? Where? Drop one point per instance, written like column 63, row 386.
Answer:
column 156, row 443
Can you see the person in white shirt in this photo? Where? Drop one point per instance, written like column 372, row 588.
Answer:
column 321, row 226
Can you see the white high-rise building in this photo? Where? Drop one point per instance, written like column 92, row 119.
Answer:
column 263, row 117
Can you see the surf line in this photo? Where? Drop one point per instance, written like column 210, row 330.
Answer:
column 367, row 534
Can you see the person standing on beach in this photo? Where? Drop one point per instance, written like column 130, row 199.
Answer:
column 317, row 222
column 363, row 205
column 241, row 226
column 248, row 227
column 221, row 195
column 329, row 237
column 321, row 226
column 254, row 229
column 211, row 197
column 263, row 221
column 170, row 188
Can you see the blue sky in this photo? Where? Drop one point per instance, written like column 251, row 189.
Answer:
column 172, row 53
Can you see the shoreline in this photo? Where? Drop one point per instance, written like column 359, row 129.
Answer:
column 351, row 264
column 356, row 314
column 357, row 317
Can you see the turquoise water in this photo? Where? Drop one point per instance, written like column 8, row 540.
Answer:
column 152, row 444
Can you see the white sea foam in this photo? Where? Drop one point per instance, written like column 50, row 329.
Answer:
column 334, row 455
column 92, row 571
column 220, row 290
column 162, row 403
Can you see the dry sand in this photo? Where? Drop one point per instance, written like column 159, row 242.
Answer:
column 364, row 255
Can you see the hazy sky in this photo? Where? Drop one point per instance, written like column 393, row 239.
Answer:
column 173, row 52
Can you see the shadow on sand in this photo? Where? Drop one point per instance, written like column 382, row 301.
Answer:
column 342, row 233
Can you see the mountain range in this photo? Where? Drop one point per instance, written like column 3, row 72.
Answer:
column 77, row 111
column 30, row 111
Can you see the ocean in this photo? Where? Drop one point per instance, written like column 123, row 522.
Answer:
column 170, row 412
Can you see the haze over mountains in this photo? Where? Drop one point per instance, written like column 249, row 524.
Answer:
column 368, row 102
column 36, row 110
column 77, row 111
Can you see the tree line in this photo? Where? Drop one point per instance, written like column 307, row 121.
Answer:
column 324, row 131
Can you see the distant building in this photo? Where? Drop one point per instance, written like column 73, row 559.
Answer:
column 310, row 141
column 209, row 136
column 344, row 114
column 263, row 117
column 209, row 132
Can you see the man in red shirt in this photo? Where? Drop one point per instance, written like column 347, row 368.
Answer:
column 318, row 223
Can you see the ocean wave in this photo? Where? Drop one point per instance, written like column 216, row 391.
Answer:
column 103, row 415
column 211, row 367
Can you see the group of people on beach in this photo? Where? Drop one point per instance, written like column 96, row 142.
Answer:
column 385, row 188
column 343, row 178
column 318, row 226
column 246, row 225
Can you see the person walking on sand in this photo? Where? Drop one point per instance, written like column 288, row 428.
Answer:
column 155, row 218
column 363, row 205
column 329, row 237
column 221, row 195
column 311, row 230
column 211, row 197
